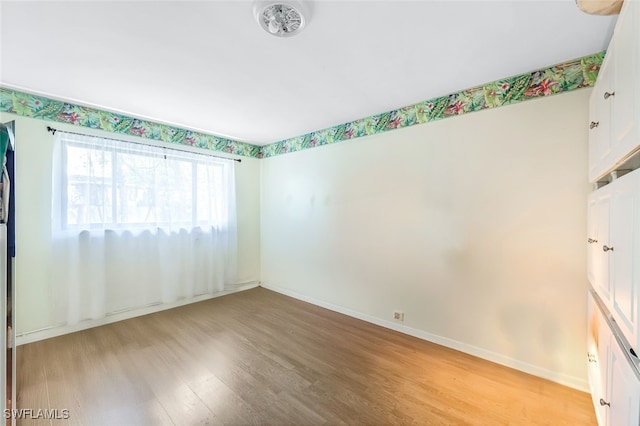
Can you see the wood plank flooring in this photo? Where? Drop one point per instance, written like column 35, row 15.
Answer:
column 258, row 357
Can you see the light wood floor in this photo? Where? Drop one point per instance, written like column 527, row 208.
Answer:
column 258, row 357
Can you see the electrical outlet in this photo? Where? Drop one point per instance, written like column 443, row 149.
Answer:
column 398, row 316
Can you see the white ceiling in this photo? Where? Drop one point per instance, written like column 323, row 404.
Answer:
column 208, row 66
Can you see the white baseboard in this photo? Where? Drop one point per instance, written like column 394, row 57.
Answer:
column 54, row 331
column 561, row 378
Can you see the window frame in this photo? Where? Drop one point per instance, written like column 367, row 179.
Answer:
column 168, row 154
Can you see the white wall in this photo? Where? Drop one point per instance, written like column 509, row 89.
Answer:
column 35, row 290
column 473, row 226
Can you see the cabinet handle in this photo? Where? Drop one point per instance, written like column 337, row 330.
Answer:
column 605, row 248
column 594, row 124
column 607, row 95
column 603, row 403
column 591, row 241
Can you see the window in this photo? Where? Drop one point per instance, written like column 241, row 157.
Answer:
column 136, row 225
column 115, row 184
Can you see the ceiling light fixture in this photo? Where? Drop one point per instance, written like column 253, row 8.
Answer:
column 282, row 19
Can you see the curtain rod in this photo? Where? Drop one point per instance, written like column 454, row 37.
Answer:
column 53, row 132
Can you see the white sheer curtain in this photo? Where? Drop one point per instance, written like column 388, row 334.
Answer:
column 136, row 225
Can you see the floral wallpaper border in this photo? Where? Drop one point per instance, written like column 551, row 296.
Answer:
column 559, row 78
column 28, row 105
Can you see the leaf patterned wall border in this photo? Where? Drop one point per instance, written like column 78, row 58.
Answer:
column 560, row 78
column 28, row 105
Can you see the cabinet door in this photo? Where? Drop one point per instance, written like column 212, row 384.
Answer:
column 597, row 356
column 592, row 237
column 623, row 390
column 625, row 131
column 600, row 120
column 623, row 254
column 597, row 258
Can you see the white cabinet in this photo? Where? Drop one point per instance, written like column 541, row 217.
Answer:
column 600, row 114
column 624, row 254
column 613, row 228
column 622, row 402
column 625, row 89
column 614, row 107
column 613, row 378
column 597, row 234
column 597, row 352
column 613, row 256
